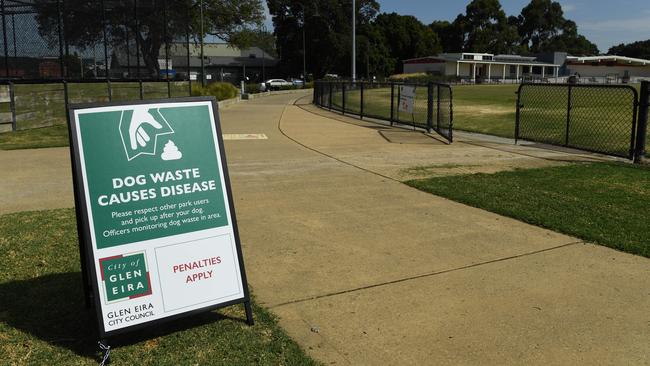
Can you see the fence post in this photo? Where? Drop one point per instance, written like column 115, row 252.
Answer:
column 169, row 88
column 392, row 101
column 568, row 116
column 141, row 90
column 430, row 106
column 110, row 90
column 517, row 113
column 438, row 106
column 4, row 35
column 343, row 97
column 66, row 98
column 642, row 122
column 12, row 105
column 329, row 98
column 361, row 101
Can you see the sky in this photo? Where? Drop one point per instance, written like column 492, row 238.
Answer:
column 604, row 22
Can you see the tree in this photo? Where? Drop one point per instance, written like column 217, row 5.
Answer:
column 327, row 27
column 406, row 37
column 450, row 35
column 640, row 49
column 158, row 22
column 543, row 28
column 485, row 28
column 256, row 37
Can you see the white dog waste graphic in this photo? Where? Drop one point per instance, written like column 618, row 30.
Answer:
column 137, row 134
column 171, row 152
column 139, row 130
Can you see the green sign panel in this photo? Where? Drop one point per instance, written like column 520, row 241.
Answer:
column 167, row 179
column 152, row 193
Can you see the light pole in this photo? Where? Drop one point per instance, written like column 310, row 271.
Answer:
column 354, row 41
column 202, row 62
column 304, row 53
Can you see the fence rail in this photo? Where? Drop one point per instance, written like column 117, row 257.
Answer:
column 596, row 118
column 426, row 106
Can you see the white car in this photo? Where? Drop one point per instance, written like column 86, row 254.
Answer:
column 274, row 84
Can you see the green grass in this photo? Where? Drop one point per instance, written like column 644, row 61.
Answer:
column 488, row 109
column 53, row 136
column 40, row 108
column 600, row 122
column 601, row 203
column 43, row 319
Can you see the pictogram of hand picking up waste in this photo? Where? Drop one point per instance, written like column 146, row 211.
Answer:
column 171, row 152
column 139, row 130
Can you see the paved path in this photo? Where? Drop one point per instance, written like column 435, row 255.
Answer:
column 362, row 269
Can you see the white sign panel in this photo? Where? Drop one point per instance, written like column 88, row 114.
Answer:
column 406, row 98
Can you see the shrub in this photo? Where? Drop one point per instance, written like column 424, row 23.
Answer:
column 252, row 88
column 421, row 77
column 220, row 90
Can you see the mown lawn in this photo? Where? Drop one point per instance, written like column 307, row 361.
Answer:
column 43, row 319
column 40, row 108
column 602, row 203
column 53, row 136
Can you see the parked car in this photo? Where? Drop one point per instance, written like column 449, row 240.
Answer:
column 274, row 84
column 298, row 82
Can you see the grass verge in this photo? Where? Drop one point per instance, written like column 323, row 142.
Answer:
column 43, row 319
column 601, row 203
column 53, row 136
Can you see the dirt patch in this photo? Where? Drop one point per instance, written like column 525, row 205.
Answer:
column 482, row 109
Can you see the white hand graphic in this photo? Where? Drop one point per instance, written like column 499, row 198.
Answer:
column 137, row 134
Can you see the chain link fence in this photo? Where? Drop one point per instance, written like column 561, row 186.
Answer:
column 426, row 106
column 58, row 52
column 596, row 118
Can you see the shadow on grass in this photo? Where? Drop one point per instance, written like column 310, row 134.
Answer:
column 52, row 309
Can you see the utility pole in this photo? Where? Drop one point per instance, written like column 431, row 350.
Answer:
column 354, row 41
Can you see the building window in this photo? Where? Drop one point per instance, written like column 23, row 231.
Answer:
column 525, row 69
column 487, row 58
column 513, row 69
column 468, row 57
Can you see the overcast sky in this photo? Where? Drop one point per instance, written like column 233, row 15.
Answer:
column 604, row 22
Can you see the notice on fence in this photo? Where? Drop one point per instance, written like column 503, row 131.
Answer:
column 406, row 98
column 153, row 195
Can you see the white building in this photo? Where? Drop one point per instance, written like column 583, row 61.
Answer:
column 484, row 67
column 552, row 67
column 610, row 68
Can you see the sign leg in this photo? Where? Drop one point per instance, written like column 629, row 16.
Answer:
column 249, row 313
column 106, row 350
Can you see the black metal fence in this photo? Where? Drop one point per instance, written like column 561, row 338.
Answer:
column 597, row 118
column 427, row 106
column 31, row 104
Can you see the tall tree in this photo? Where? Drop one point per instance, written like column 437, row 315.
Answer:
column 84, row 22
column 640, row 49
column 450, row 34
column 485, row 28
column 327, row 25
column 543, row 28
column 406, row 37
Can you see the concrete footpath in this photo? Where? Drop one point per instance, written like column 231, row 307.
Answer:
column 364, row 270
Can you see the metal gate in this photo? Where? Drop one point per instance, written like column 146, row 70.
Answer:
column 430, row 107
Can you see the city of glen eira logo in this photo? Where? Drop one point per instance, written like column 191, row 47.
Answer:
column 125, row 277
